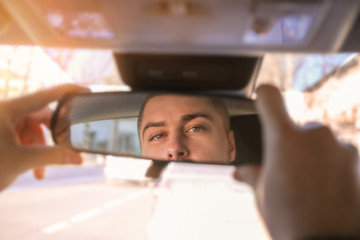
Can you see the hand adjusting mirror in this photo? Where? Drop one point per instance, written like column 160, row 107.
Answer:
column 160, row 126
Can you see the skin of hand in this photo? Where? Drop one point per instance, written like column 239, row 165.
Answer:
column 308, row 184
column 22, row 144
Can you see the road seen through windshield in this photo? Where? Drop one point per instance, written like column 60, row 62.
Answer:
column 88, row 208
column 78, row 203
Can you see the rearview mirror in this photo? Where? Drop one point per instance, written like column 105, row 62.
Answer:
column 201, row 128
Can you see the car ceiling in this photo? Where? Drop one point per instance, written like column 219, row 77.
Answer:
column 229, row 27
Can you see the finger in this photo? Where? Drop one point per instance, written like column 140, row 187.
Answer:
column 271, row 108
column 329, row 135
column 39, row 156
column 42, row 116
column 323, row 133
column 31, row 134
column 248, row 174
column 33, row 102
column 39, row 173
column 352, row 151
column 312, row 125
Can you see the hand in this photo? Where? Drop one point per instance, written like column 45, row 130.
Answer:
column 308, row 184
column 22, row 140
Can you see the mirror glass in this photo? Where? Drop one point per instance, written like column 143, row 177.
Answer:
column 158, row 126
column 111, row 135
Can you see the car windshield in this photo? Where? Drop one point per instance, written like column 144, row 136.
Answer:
column 110, row 197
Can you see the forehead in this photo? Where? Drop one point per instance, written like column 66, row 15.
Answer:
column 177, row 105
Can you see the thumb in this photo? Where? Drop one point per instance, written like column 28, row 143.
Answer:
column 248, row 173
column 273, row 116
column 38, row 156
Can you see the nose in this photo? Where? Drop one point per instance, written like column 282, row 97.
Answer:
column 177, row 149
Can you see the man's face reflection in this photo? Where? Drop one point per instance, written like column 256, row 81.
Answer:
column 175, row 127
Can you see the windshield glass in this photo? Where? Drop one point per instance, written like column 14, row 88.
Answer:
column 111, row 197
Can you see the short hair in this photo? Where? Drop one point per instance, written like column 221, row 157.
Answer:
column 217, row 102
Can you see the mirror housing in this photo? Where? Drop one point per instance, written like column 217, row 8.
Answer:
column 189, row 72
column 106, row 123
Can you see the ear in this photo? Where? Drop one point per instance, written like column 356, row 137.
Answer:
column 232, row 146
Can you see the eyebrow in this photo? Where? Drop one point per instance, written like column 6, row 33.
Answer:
column 184, row 118
column 152, row 124
column 189, row 117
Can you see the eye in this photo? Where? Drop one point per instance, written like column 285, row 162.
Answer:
column 156, row 137
column 196, row 128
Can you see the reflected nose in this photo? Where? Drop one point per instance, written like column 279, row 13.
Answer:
column 177, row 149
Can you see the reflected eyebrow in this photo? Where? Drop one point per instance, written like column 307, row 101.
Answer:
column 189, row 117
column 152, row 124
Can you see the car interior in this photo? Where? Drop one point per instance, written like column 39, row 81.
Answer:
column 201, row 48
